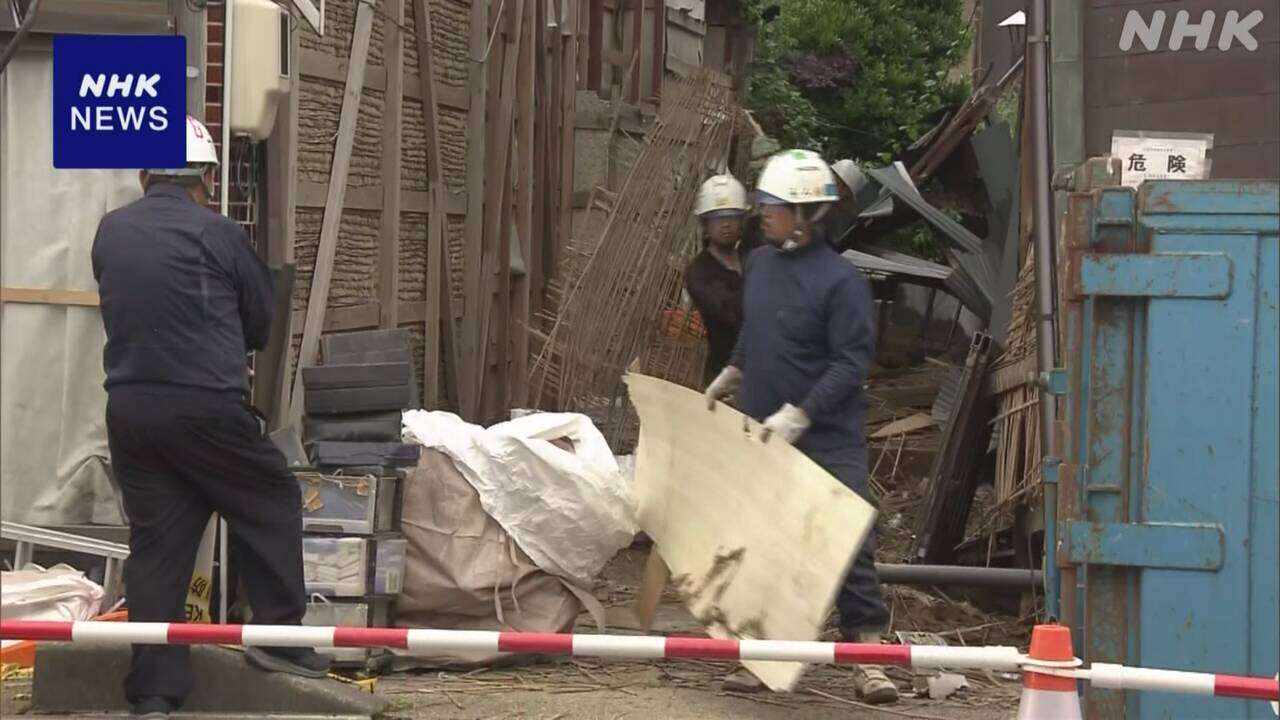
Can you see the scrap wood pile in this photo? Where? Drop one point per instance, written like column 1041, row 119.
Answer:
column 610, row 313
column 1017, row 418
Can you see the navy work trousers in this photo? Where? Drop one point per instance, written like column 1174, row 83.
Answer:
column 860, row 602
column 179, row 454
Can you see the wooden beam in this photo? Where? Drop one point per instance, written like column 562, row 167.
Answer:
column 478, row 89
column 637, row 38
column 320, row 65
column 497, row 208
column 392, row 121
column 364, row 316
column 328, row 245
column 569, row 101
column 439, row 278
column 520, row 287
column 33, row 296
column 595, row 44
column 659, row 44
column 314, row 195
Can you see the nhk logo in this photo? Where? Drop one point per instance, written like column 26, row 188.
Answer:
column 1233, row 29
column 119, row 101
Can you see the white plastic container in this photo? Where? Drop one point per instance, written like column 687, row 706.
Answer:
column 339, row 567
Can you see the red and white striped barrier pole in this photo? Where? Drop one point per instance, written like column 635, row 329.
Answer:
column 637, row 647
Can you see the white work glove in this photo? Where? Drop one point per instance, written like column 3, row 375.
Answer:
column 789, row 423
column 725, row 384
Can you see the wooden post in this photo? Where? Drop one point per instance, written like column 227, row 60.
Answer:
column 497, row 206
column 659, row 45
column 439, row 295
column 478, row 90
column 392, row 117
column 595, row 44
column 318, row 298
column 637, row 37
column 568, row 85
column 521, row 317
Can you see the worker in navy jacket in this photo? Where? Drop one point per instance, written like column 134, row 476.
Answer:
column 801, row 360
column 183, row 299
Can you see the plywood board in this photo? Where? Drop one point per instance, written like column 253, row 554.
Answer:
column 904, row 426
column 757, row 536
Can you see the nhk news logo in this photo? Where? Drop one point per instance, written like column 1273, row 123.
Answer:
column 119, row 101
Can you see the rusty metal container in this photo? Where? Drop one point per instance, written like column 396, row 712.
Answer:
column 1169, row 507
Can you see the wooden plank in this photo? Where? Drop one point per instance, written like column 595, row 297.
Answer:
column 595, row 44
column 652, row 584
column 364, row 316
column 313, row 195
column 569, row 101
column 33, row 296
column 520, row 287
column 478, row 88
column 659, row 45
column 637, row 38
column 322, row 275
column 903, row 426
column 322, row 66
column 747, row 560
column 392, row 122
column 497, row 206
column 439, row 286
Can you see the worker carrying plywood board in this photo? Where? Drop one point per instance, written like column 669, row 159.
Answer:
column 807, row 341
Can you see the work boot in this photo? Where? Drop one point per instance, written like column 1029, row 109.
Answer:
column 870, row 681
column 873, row 685
column 303, row 662
column 152, row 708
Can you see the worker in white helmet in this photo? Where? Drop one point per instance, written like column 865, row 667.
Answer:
column 852, row 187
column 183, row 299
column 801, row 360
column 714, row 277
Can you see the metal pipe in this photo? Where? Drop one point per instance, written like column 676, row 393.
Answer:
column 1037, row 55
column 958, row 575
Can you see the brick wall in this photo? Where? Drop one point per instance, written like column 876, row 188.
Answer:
column 213, row 71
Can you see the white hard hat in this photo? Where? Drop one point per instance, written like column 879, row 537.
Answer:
column 200, row 147
column 721, row 193
column 798, row 177
column 850, row 174
column 201, row 152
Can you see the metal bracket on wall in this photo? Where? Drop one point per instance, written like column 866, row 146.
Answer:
column 1179, row 546
column 1161, row 275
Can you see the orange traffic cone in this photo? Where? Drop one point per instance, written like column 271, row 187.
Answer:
column 1049, row 697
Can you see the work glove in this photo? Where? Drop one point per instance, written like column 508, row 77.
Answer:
column 725, row 384
column 789, row 423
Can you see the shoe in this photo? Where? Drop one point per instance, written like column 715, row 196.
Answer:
column 873, row 685
column 303, row 662
column 742, row 681
column 152, row 708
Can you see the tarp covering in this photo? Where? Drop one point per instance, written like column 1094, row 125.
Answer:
column 54, row 467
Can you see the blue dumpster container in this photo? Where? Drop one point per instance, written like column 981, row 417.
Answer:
column 1169, row 502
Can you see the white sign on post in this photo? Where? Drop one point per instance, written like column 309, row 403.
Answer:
column 1161, row 155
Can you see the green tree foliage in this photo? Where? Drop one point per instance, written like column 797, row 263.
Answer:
column 856, row 78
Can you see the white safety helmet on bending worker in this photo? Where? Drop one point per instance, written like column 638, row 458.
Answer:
column 720, row 196
column 202, row 155
column 850, row 175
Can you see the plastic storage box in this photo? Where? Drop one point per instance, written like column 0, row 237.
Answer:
column 359, row 504
column 341, row 567
column 325, row 613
